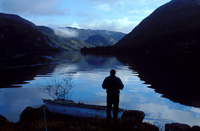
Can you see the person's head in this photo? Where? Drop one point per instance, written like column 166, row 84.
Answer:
column 112, row 72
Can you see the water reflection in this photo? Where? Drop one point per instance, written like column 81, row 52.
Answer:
column 152, row 84
column 176, row 77
column 15, row 100
column 18, row 68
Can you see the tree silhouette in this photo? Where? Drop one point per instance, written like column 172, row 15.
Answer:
column 59, row 87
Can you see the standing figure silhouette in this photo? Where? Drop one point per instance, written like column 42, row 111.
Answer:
column 113, row 85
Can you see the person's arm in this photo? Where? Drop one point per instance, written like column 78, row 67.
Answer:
column 121, row 85
column 104, row 84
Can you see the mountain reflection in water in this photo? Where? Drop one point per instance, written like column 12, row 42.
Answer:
column 21, row 67
column 175, row 77
column 146, row 78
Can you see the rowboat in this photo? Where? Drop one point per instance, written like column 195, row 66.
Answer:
column 68, row 107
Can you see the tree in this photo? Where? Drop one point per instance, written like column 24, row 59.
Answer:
column 59, row 88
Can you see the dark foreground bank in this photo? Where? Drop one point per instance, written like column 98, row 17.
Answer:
column 33, row 119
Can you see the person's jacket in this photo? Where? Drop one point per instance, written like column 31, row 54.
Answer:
column 112, row 84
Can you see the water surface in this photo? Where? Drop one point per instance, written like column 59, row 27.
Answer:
column 147, row 84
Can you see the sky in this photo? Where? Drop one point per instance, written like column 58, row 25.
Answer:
column 114, row 15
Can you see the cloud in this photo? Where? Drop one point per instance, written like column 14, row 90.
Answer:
column 150, row 2
column 31, row 7
column 118, row 15
column 63, row 32
column 123, row 25
column 106, row 1
column 75, row 24
column 108, row 5
column 112, row 2
column 145, row 11
column 104, row 7
column 141, row 2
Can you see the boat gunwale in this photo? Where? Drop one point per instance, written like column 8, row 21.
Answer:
column 95, row 107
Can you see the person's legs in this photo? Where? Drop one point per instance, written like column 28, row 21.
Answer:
column 115, row 111
column 109, row 106
column 116, row 108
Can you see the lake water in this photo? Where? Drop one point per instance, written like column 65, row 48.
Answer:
column 167, row 90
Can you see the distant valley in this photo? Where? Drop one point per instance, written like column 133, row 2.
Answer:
column 68, row 38
column 172, row 28
column 18, row 34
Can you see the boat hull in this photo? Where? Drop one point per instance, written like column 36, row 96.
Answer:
column 78, row 110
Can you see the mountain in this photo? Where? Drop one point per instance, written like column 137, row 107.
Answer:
column 100, row 40
column 84, row 34
column 17, row 34
column 83, row 37
column 64, row 42
column 173, row 27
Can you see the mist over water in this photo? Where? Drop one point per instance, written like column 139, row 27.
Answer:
column 147, row 86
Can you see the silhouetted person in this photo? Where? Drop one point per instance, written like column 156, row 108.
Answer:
column 113, row 85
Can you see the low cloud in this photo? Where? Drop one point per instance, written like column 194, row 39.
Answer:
column 64, row 32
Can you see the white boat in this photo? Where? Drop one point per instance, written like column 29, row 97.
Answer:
column 76, row 109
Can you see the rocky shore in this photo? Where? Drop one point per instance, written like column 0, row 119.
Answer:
column 32, row 119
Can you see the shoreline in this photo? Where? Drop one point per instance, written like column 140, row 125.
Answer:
column 33, row 119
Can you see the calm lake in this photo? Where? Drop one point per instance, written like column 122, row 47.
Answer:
column 166, row 89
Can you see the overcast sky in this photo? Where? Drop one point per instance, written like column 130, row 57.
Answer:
column 115, row 15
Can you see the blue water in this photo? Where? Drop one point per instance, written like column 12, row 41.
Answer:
column 87, row 73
